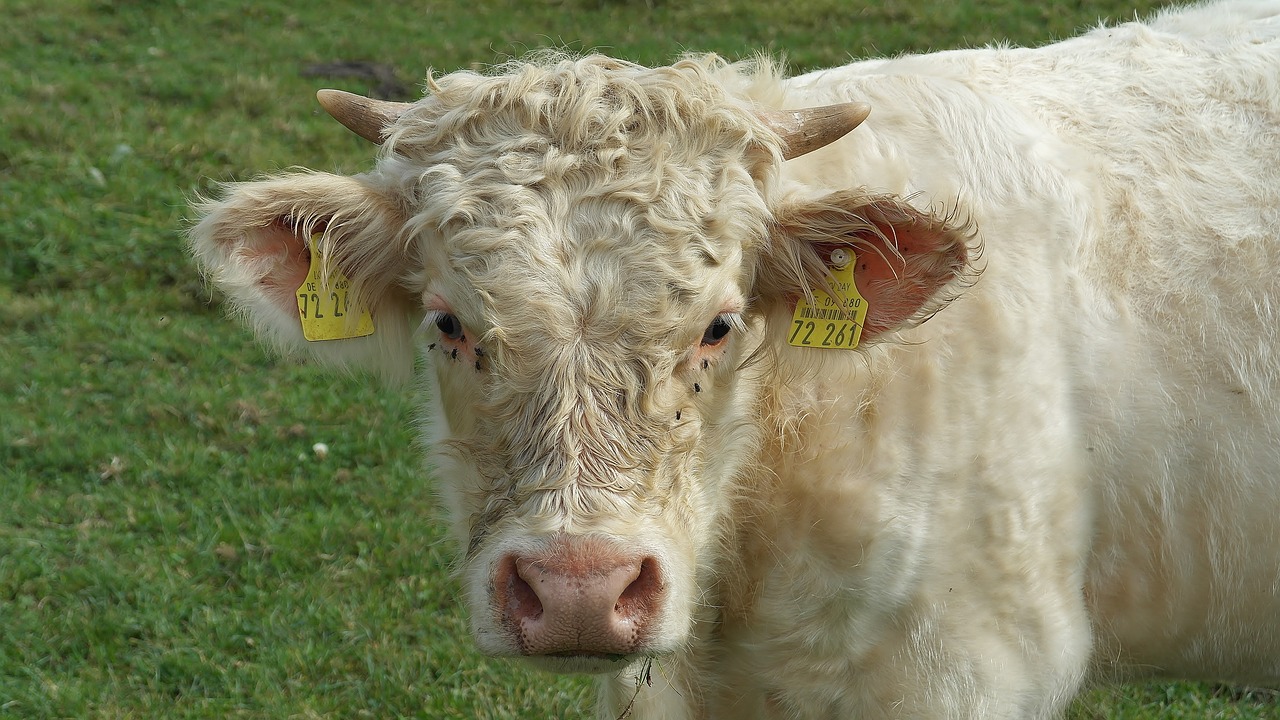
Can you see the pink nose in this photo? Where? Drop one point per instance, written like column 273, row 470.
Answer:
column 579, row 598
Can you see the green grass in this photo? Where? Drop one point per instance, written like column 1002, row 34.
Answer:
column 170, row 546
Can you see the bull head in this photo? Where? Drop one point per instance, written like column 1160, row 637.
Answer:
column 592, row 254
column 801, row 131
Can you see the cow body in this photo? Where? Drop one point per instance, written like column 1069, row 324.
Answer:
column 1068, row 473
column 1072, row 469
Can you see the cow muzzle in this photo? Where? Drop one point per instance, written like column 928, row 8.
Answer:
column 581, row 599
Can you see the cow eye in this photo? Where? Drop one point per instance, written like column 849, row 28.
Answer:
column 716, row 331
column 449, row 326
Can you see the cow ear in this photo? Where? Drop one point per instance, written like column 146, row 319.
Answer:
column 255, row 244
column 905, row 257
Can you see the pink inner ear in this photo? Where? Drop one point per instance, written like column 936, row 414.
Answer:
column 285, row 258
column 898, row 279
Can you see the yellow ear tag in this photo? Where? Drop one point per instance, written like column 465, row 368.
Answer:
column 832, row 322
column 325, row 304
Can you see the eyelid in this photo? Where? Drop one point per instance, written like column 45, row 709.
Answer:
column 432, row 318
column 732, row 319
column 435, row 302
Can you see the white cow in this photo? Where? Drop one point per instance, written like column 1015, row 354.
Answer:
column 1050, row 456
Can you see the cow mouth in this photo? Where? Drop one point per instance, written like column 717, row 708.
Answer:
column 584, row 663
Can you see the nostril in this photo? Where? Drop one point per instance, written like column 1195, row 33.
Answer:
column 522, row 599
column 639, row 600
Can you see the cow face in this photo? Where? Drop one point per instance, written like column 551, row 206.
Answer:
column 588, row 412
column 587, row 263
column 592, row 252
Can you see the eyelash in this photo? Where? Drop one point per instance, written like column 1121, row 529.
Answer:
column 717, row 333
column 447, row 324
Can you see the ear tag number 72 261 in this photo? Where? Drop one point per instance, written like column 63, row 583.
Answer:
column 325, row 304
column 831, row 321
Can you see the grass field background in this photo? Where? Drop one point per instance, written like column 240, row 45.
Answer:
column 170, row 545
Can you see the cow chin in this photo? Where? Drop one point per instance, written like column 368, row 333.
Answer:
column 580, row 603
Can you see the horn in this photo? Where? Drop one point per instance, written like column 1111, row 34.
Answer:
column 363, row 116
column 803, row 131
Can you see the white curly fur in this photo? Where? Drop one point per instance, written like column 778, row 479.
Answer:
column 1051, row 464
